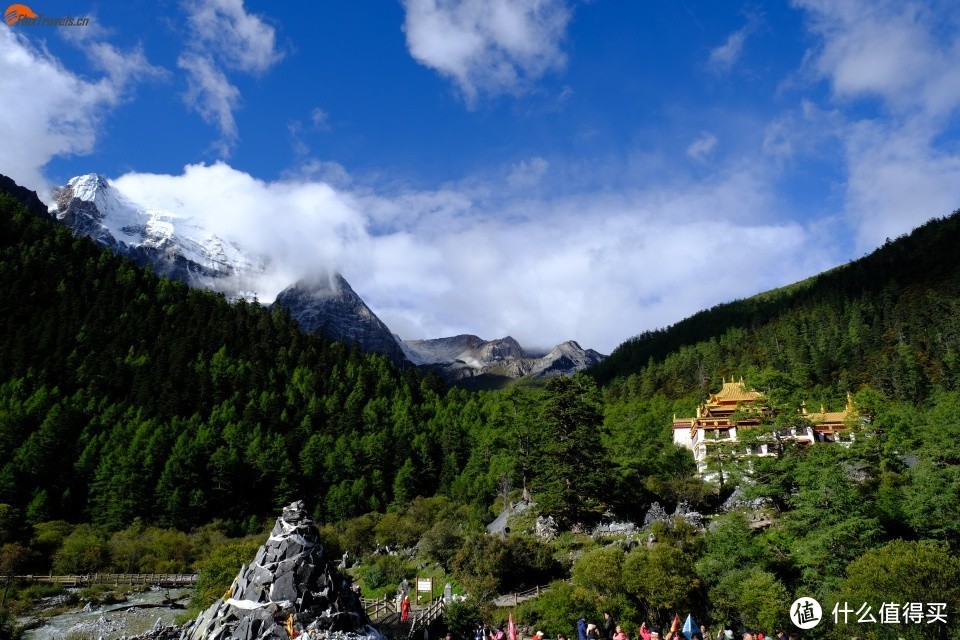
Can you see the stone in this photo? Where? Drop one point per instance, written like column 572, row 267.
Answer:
column 655, row 513
column 284, row 588
column 545, row 527
column 290, row 575
column 684, row 511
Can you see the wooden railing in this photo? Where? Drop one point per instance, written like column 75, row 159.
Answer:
column 426, row 616
column 379, row 609
column 513, row 599
column 80, row 580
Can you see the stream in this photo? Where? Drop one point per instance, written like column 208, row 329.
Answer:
column 138, row 614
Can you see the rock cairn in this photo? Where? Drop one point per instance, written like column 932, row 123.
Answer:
column 657, row 513
column 290, row 589
column 545, row 528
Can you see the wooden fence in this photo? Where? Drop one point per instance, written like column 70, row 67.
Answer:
column 513, row 599
column 426, row 616
column 82, row 580
column 379, row 609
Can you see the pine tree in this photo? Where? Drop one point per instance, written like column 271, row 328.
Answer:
column 575, row 474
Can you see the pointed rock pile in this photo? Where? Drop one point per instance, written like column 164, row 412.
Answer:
column 290, row 589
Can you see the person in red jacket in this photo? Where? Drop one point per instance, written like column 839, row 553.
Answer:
column 405, row 609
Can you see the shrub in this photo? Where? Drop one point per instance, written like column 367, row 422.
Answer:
column 85, row 550
column 463, row 616
column 220, row 567
column 516, row 562
column 384, row 570
column 442, row 542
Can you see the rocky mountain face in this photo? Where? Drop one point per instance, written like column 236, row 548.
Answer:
column 172, row 243
column 472, row 361
column 178, row 248
column 329, row 306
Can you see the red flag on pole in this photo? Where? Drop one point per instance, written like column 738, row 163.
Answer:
column 511, row 630
column 676, row 623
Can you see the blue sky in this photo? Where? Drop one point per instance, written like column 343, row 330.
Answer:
column 549, row 169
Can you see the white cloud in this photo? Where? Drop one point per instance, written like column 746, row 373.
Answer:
column 898, row 180
column 223, row 35
column 723, row 57
column 212, row 96
column 595, row 267
column 305, row 228
column 527, row 173
column 702, row 147
column 591, row 266
column 487, row 46
column 238, row 39
column 48, row 111
column 294, row 128
column 122, row 67
column 320, row 119
column 314, row 170
column 894, row 51
column 899, row 173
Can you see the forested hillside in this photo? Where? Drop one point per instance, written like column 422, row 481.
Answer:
column 125, row 395
column 127, row 400
column 888, row 320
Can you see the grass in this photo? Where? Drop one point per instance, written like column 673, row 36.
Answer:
column 21, row 599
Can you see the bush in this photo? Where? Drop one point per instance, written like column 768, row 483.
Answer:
column 100, row 594
column 383, row 571
column 8, row 626
column 220, row 567
column 85, row 550
column 463, row 616
column 48, row 537
column 360, row 534
column 442, row 542
column 558, row 609
column 137, row 549
column 514, row 563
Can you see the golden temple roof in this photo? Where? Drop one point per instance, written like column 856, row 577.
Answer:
column 733, row 391
column 823, row 417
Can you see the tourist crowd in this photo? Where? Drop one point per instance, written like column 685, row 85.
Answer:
column 610, row 630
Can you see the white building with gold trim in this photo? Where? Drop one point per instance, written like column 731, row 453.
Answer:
column 719, row 422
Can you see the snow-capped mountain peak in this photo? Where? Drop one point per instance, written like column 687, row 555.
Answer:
column 176, row 246
column 173, row 243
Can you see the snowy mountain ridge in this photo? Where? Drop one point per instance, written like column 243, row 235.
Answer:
column 179, row 248
column 174, row 244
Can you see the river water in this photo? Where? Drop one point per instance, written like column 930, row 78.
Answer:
column 112, row 621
